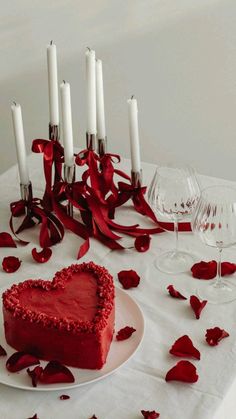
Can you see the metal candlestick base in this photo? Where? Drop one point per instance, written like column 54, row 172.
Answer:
column 54, row 132
column 136, row 179
column 26, row 191
column 90, row 141
column 26, row 194
column 69, row 176
column 102, row 146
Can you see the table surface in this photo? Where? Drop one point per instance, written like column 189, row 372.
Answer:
column 140, row 383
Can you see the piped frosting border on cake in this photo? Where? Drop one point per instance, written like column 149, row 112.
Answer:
column 105, row 291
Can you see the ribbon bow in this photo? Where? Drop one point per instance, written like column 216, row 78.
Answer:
column 51, row 230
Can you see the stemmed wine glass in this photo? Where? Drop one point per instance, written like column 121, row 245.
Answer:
column 173, row 193
column 214, row 220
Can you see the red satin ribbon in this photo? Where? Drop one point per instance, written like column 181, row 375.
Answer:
column 96, row 197
column 51, row 230
column 103, row 196
column 52, row 155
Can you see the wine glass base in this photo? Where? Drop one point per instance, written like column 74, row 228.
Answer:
column 218, row 294
column 174, row 262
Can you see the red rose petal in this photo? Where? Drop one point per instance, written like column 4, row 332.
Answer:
column 215, row 335
column 93, row 417
column 20, row 360
column 2, row 351
column 35, row 375
column 42, row 256
column 148, row 414
column 10, row 264
column 183, row 347
column 125, row 333
column 208, row 270
column 228, row 268
column 174, row 293
column 142, row 243
column 83, row 249
column 34, row 417
column 183, row 371
column 6, row 240
column 55, row 372
column 197, row 305
column 204, row 270
column 128, row 279
column 64, row 397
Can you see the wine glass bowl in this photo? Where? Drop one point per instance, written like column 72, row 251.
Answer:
column 177, row 195
column 214, row 220
column 173, row 194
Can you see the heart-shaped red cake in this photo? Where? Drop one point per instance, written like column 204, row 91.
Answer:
column 70, row 319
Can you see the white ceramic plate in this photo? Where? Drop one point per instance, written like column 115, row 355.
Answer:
column 128, row 313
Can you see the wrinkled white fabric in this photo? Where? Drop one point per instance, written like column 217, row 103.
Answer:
column 140, row 383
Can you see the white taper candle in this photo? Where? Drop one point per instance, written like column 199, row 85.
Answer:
column 20, row 143
column 53, row 84
column 101, row 129
column 134, row 135
column 67, row 123
column 91, row 91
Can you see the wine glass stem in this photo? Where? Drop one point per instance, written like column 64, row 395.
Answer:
column 218, row 278
column 176, row 230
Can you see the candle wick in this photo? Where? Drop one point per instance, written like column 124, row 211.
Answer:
column 132, row 96
column 14, row 102
column 51, row 42
column 88, row 48
column 64, row 82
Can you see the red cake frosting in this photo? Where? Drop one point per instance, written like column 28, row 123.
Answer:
column 74, row 311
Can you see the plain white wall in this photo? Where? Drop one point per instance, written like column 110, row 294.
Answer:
column 178, row 57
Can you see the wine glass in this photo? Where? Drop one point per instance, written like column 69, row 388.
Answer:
column 173, row 194
column 214, row 220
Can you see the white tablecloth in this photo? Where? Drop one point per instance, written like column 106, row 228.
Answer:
column 140, row 383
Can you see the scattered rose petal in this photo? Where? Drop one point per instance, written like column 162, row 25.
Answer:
column 215, row 335
column 93, row 417
column 64, row 397
column 6, row 240
column 148, row 414
column 35, row 374
column 128, row 279
column 197, row 305
column 34, row 417
column 125, row 333
column 183, row 347
column 42, row 256
column 228, row 268
column 204, row 270
column 142, row 243
column 208, row 270
column 10, row 264
column 83, row 249
column 55, row 372
column 174, row 293
column 2, row 351
column 20, row 360
column 183, row 371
